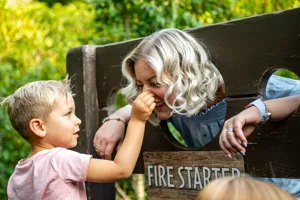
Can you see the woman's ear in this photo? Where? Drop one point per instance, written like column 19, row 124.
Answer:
column 37, row 126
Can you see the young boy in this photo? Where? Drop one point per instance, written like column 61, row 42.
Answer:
column 43, row 112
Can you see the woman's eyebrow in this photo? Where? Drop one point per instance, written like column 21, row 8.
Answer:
column 149, row 79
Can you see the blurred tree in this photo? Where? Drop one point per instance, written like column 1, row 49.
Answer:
column 122, row 20
column 35, row 38
column 51, row 3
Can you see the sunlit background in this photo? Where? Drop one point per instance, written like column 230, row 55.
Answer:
column 35, row 36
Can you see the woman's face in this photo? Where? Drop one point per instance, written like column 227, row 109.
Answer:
column 146, row 81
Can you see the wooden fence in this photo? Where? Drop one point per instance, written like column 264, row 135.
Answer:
column 245, row 51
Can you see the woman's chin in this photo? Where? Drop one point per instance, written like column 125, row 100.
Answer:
column 163, row 115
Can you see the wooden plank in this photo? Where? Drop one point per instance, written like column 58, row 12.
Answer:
column 183, row 174
column 241, row 49
column 81, row 66
column 242, row 53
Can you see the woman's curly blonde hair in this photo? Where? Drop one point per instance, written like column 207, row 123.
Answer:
column 192, row 77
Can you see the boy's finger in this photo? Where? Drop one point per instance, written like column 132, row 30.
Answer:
column 152, row 106
column 147, row 96
column 144, row 95
column 149, row 101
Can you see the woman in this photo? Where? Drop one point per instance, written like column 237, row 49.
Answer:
column 187, row 86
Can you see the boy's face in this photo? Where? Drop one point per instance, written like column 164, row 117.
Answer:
column 62, row 125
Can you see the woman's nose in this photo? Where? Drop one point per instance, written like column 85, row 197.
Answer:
column 146, row 88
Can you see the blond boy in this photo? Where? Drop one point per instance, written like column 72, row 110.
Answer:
column 43, row 112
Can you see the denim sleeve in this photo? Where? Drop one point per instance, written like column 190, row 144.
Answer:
column 278, row 87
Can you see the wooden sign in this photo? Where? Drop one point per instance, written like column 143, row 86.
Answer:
column 182, row 174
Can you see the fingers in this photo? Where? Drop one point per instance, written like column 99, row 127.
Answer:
column 223, row 143
column 148, row 99
column 108, row 136
column 109, row 150
column 145, row 101
column 119, row 145
column 96, row 144
column 232, row 139
column 238, row 127
column 100, row 147
column 104, row 145
column 233, row 144
column 144, row 96
column 152, row 106
column 105, row 149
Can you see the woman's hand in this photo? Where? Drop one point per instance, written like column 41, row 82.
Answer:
column 111, row 134
column 235, row 130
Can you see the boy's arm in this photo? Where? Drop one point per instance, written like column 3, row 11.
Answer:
column 125, row 160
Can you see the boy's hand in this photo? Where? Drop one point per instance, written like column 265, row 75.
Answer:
column 143, row 106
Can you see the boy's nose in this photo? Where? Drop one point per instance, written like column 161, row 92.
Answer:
column 78, row 121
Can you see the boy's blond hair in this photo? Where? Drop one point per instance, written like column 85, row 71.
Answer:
column 34, row 100
column 234, row 188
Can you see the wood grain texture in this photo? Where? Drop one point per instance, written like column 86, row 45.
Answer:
column 188, row 173
column 244, row 51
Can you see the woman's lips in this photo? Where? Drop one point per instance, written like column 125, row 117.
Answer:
column 159, row 107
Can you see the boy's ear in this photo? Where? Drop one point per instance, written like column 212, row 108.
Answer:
column 37, row 126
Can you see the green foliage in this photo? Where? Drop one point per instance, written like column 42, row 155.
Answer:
column 51, row 3
column 286, row 73
column 176, row 134
column 35, row 37
column 34, row 41
column 129, row 19
column 120, row 100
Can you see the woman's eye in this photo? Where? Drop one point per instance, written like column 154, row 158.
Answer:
column 140, row 87
column 155, row 84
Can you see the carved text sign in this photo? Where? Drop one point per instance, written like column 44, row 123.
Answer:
column 181, row 175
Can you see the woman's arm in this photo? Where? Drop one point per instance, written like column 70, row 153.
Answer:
column 281, row 108
column 110, row 135
column 237, row 128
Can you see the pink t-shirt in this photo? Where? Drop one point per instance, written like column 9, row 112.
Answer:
column 52, row 174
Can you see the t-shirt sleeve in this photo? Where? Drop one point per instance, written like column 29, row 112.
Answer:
column 71, row 165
